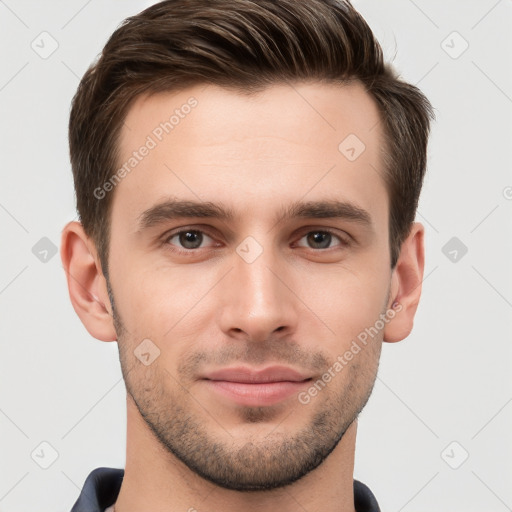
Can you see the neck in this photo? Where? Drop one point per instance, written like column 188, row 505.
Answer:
column 156, row 480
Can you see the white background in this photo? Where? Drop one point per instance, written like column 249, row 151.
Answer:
column 450, row 381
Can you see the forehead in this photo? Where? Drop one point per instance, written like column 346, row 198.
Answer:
column 282, row 144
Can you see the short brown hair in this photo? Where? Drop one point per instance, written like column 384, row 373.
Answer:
column 245, row 45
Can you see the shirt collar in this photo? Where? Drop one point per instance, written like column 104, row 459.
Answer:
column 102, row 486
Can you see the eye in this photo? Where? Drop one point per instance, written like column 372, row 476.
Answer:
column 321, row 240
column 188, row 239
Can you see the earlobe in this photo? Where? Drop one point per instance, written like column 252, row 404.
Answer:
column 86, row 283
column 406, row 285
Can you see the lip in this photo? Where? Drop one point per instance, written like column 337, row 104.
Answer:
column 249, row 375
column 251, row 387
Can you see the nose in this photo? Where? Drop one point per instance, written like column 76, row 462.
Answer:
column 258, row 302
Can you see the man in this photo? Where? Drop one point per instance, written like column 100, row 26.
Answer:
column 247, row 174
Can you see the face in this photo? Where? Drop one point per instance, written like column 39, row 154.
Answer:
column 249, row 250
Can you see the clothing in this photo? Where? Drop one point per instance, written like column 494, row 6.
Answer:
column 102, row 486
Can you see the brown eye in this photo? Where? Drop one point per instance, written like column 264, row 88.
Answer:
column 188, row 239
column 320, row 240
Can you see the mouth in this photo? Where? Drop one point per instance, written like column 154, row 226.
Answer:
column 251, row 387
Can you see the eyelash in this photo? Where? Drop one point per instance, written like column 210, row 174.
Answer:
column 343, row 241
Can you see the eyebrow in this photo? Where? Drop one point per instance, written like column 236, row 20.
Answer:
column 171, row 209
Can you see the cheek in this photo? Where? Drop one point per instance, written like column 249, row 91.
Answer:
column 164, row 303
column 346, row 300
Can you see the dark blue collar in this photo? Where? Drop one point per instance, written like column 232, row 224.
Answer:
column 102, row 486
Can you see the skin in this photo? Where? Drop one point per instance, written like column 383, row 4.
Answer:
column 299, row 303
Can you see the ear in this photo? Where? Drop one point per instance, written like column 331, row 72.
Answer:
column 406, row 283
column 86, row 284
